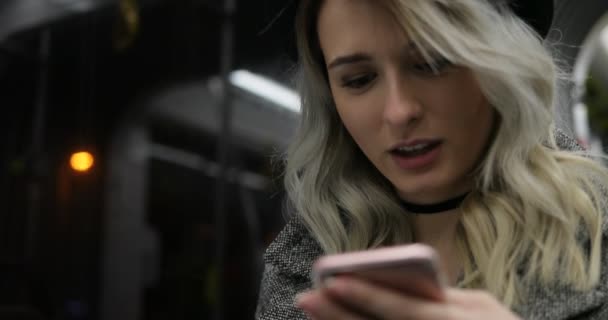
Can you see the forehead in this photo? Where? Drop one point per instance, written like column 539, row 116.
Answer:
column 347, row 26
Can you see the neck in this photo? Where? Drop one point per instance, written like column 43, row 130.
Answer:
column 439, row 231
column 436, row 228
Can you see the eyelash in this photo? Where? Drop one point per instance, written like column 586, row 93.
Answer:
column 356, row 83
column 434, row 68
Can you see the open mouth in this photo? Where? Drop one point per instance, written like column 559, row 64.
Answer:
column 415, row 150
column 417, row 156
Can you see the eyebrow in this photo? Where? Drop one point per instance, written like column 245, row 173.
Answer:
column 349, row 59
column 362, row 57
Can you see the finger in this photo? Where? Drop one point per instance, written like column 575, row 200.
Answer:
column 320, row 306
column 385, row 303
column 468, row 298
column 478, row 302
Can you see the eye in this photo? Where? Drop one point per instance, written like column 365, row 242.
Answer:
column 358, row 82
column 433, row 68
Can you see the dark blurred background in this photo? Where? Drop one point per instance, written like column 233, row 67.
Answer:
column 185, row 107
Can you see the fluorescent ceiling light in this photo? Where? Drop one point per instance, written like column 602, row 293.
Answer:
column 76, row 5
column 604, row 38
column 267, row 89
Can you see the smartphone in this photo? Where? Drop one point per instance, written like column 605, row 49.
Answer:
column 412, row 269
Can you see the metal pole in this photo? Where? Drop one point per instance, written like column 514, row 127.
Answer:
column 35, row 155
column 224, row 146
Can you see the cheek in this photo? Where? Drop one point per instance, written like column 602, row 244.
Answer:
column 480, row 118
column 358, row 117
column 466, row 118
column 472, row 120
column 469, row 113
column 362, row 130
column 357, row 129
column 474, row 130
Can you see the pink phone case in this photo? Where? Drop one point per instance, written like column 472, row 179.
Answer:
column 412, row 269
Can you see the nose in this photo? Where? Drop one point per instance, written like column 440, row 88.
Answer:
column 402, row 109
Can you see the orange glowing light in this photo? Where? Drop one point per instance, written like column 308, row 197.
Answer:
column 82, row 161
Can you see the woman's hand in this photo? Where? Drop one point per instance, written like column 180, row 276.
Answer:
column 376, row 302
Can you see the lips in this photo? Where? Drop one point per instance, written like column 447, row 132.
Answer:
column 415, row 149
column 416, row 154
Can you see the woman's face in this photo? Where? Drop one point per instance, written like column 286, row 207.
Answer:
column 424, row 129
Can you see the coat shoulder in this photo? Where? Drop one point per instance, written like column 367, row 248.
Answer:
column 287, row 267
column 566, row 142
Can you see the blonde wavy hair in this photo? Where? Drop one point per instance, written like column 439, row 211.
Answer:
column 535, row 213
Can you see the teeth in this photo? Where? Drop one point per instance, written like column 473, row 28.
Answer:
column 417, row 147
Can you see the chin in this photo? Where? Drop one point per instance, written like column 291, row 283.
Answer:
column 418, row 194
column 424, row 189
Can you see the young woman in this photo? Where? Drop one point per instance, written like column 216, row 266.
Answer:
column 432, row 121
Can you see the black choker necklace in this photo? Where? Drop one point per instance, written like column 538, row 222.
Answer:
column 435, row 207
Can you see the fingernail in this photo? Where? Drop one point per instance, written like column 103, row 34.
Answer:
column 330, row 282
column 335, row 285
column 303, row 300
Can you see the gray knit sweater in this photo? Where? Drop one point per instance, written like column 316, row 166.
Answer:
column 288, row 262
